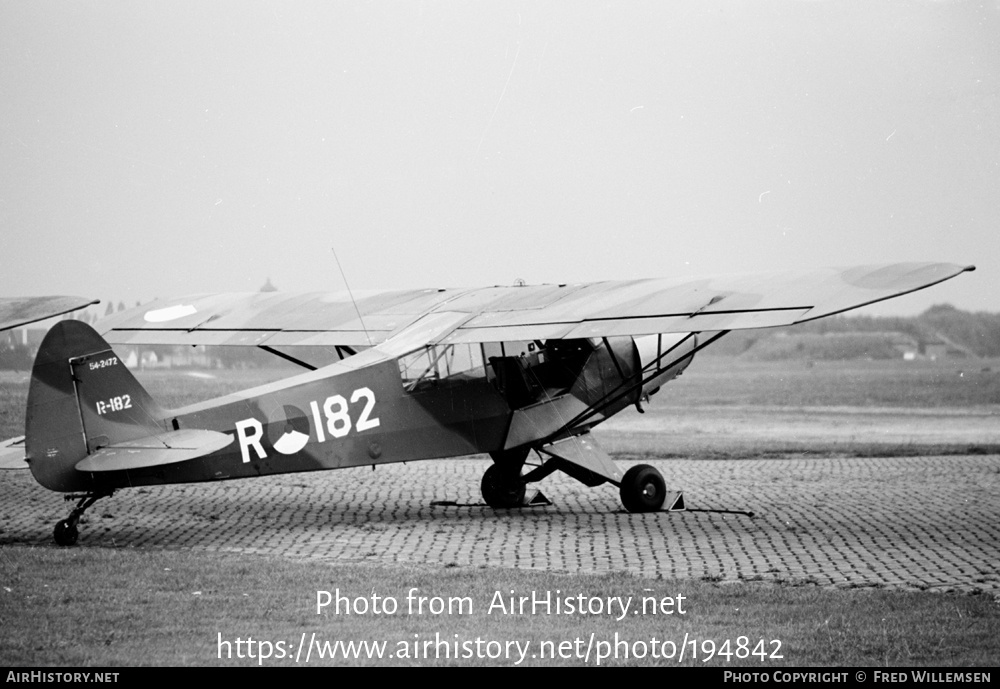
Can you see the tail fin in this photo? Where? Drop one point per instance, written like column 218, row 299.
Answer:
column 81, row 398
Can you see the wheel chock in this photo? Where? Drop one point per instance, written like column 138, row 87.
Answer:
column 674, row 502
column 535, row 499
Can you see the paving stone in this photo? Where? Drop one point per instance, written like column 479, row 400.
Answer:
column 928, row 523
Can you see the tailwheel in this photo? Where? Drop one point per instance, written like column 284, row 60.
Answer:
column 66, row 533
column 643, row 489
column 502, row 489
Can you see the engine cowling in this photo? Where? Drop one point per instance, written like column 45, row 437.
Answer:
column 614, row 367
column 546, row 387
column 664, row 357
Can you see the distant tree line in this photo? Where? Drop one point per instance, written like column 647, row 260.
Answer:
column 977, row 332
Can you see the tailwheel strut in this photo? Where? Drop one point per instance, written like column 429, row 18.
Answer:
column 66, row 531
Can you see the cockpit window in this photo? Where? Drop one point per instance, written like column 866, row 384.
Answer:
column 431, row 365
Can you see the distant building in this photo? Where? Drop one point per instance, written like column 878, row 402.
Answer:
column 940, row 347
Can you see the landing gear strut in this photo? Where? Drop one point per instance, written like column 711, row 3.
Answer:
column 66, row 531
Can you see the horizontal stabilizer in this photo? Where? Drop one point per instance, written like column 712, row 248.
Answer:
column 164, row 448
column 12, row 454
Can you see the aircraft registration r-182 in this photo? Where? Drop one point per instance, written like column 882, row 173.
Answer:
column 417, row 374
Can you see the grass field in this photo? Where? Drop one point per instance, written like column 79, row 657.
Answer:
column 130, row 607
column 107, row 606
column 730, row 408
column 714, row 381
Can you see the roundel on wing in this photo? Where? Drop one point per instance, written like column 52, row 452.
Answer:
column 170, row 313
column 288, row 429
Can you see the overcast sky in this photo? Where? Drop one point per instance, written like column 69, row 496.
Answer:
column 152, row 149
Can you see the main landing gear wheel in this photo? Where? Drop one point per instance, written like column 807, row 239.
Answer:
column 66, row 533
column 643, row 489
column 500, row 489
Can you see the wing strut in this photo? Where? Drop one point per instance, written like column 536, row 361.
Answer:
column 287, row 357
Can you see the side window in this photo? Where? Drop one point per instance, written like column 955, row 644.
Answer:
column 415, row 366
column 431, row 365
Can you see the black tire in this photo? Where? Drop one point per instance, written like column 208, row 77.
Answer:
column 65, row 533
column 643, row 489
column 499, row 491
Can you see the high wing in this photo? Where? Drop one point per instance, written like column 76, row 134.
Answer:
column 18, row 311
column 600, row 309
